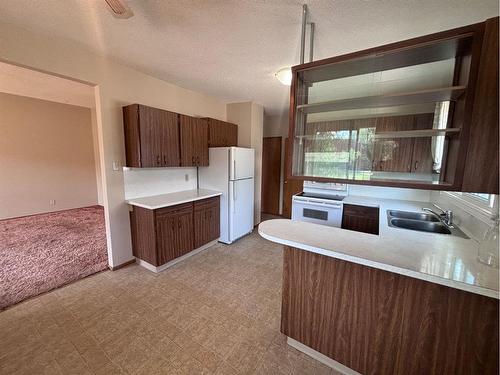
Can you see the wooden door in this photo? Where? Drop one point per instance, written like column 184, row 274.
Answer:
column 151, row 134
column 393, row 155
column 183, row 232
column 290, row 186
column 170, row 139
column 271, row 167
column 165, row 238
column 200, row 141
column 421, row 161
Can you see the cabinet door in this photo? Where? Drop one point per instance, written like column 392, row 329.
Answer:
column 170, row 139
column 206, row 221
column 222, row 134
column 186, row 136
column 232, row 135
column 165, row 238
column 200, row 141
column 360, row 218
column 212, row 215
column 421, row 161
column 151, row 135
column 200, row 232
column 481, row 166
column 183, row 233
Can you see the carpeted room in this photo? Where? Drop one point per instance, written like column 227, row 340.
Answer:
column 52, row 228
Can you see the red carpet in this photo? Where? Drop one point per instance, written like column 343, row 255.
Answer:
column 42, row 252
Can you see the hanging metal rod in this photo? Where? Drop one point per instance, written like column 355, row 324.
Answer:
column 305, row 13
column 311, row 42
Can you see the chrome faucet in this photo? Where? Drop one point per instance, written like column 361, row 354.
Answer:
column 446, row 216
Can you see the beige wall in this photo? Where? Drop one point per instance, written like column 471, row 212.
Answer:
column 250, row 119
column 116, row 86
column 277, row 126
column 46, row 153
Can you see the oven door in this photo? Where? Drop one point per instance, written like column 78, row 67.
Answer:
column 319, row 213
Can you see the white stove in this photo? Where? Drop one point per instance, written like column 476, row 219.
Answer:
column 320, row 203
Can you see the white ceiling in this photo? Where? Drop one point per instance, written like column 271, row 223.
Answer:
column 27, row 82
column 231, row 48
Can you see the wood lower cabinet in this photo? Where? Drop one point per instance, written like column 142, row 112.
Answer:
column 206, row 221
column 378, row 322
column 162, row 235
column 151, row 137
column 193, row 141
column 221, row 133
column 360, row 218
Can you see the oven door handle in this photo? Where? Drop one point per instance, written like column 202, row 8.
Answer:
column 325, row 205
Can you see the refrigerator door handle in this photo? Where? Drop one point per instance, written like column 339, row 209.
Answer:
column 234, row 198
column 234, row 169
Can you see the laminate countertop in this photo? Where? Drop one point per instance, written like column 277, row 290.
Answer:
column 171, row 199
column 438, row 258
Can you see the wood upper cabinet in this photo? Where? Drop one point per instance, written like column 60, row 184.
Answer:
column 151, row 137
column 481, row 167
column 421, row 161
column 206, row 221
column 360, row 218
column 193, row 141
column 221, row 133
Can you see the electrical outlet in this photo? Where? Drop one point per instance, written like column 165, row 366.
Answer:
column 116, row 166
column 52, row 202
column 186, row 177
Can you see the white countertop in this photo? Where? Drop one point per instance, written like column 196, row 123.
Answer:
column 164, row 200
column 438, row 258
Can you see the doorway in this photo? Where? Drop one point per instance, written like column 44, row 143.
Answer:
column 271, row 167
column 290, row 187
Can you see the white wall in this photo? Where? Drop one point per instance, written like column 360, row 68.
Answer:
column 250, row 119
column 116, row 86
column 277, row 126
column 46, row 154
column 142, row 182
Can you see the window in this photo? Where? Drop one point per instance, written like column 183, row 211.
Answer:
column 485, row 204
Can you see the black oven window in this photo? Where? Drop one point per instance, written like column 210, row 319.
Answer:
column 315, row 214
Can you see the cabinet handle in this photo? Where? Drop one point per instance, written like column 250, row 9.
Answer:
column 158, row 159
column 164, row 159
column 192, row 160
column 180, row 226
column 416, row 165
column 197, row 160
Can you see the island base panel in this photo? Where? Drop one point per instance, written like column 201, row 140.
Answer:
column 378, row 322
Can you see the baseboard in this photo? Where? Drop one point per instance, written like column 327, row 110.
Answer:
column 155, row 269
column 114, row 268
column 337, row 366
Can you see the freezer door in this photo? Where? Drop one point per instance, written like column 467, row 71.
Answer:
column 240, row 208
column 241, row 163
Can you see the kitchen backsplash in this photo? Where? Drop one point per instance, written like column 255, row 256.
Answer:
column 390, row 193
column 141, row 182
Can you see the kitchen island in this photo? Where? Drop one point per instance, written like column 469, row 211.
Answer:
column 401, row 302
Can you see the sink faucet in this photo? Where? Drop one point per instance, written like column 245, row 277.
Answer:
column 446, row 216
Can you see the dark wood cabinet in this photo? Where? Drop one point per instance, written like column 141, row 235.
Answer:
column 291, row 186
column 206, row 221
column 193, row 141
column 221, row 133
column 481, row 167
column 360, row 218
column 162, row 235
column 151, row 137
column 421, row 160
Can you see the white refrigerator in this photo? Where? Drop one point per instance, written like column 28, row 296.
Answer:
column 231, row 171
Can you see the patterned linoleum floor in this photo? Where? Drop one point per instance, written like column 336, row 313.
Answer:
column 215, row 313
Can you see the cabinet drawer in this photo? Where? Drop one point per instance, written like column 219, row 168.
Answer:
column 179, row 208
column 206, row 203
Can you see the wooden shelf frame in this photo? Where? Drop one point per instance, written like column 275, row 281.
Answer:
column 443, row 94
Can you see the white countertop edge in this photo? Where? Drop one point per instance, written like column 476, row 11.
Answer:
column 387, row 267
column 132, row 202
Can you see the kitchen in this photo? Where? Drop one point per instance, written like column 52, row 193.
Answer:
column 381, row 252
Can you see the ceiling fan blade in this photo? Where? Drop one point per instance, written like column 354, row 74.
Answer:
column 119, row 8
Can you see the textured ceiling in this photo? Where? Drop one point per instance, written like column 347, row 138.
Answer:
column 231, row 48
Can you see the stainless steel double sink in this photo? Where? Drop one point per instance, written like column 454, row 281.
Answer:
column 422, row 222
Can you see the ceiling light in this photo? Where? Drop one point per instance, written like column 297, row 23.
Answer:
column 284, row 75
